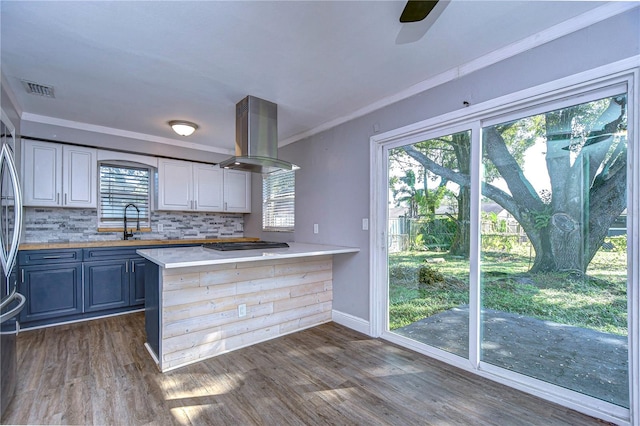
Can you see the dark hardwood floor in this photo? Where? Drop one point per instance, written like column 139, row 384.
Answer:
column 98, row 372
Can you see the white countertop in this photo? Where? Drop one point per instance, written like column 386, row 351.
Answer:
column 183, row 257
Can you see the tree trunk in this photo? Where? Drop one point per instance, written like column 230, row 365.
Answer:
column 461, row 241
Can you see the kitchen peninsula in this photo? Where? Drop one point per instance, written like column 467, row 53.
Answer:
column 201, row 303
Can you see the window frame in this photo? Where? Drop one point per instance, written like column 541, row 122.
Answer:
column 275, row 203
column 118, row 224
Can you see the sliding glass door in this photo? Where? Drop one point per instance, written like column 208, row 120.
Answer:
column 429, row 241
column 554, row 247
column 506, row 245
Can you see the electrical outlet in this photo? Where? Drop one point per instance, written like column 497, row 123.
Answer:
column 365, row 224
column 160, row 227
column 315, row 228
column 242, row 310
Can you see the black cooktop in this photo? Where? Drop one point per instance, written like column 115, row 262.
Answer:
column 245, row 245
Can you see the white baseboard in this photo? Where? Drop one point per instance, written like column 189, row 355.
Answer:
column 352, row 322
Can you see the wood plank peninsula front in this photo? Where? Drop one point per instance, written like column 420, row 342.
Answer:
column 201, row 303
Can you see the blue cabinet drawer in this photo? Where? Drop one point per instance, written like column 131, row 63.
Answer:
column 42, row 257
column 107, row 253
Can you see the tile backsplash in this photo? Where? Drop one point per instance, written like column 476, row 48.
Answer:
column 52, row 225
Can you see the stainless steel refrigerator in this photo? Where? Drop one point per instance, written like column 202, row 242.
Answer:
column 12, row 302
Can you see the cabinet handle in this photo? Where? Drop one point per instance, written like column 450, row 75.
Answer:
column 133, row 266
column 51, row 257
column 57, row 198
column 65, row 199
column 196, row 204
column 225, row 206
column 126, row 267
column 22, row 280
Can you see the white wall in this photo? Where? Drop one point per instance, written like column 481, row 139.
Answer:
column 332, row 186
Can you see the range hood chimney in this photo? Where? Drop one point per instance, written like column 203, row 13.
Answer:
column 257, row 138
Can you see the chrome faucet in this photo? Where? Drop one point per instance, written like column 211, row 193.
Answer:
column 130, row 234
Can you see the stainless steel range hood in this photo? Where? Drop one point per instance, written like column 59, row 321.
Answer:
column 257, row 138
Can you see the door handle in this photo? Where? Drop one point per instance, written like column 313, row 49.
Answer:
column 15, row 310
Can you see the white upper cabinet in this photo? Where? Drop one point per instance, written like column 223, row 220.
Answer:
column 175, row 185
column 56, row 175
column 187, row 186
column 237, row 191
column 207, row 187
column 79, row 177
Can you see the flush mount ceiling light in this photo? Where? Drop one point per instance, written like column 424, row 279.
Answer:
column 183, row 128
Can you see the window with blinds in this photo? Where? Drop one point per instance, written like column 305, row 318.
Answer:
column 119, row 186
column 278, row 201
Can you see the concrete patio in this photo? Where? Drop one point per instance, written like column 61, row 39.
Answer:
column 583, row 360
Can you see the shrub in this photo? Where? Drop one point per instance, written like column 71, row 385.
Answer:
column 428, row 276
column 619, row 243
column 499, row 242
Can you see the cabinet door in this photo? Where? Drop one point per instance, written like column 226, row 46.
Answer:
column 42, row 173
column 80, row 177
column 237, row 191
column 175, row 190
column 106, row 285
column 136, row 281
column 51, row 291
column 207, row 187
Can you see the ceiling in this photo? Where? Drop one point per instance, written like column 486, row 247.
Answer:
column 133, row 66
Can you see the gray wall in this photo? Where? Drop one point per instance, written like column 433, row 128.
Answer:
column 332, row 186
column 10, row 110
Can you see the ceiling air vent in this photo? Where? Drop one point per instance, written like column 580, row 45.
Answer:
column 38, row 89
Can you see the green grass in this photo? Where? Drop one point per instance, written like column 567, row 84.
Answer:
column 598, row 301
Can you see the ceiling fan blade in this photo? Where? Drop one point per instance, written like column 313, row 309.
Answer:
column 417, row 10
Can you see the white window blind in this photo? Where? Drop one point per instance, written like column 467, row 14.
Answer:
column 278, row 201
column 119, row 186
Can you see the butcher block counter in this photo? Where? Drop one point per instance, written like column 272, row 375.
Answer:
column 124, row 243
column 201, row 303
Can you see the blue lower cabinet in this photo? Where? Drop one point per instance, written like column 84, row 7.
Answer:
column 64, row 285
column 51, row 290
column 136, row 281
column 106, row 285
